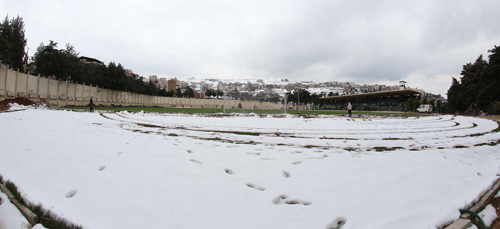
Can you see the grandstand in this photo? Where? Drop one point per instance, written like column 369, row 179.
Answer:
column 375, row 101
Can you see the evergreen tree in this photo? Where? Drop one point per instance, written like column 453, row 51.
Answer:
column 63, row 64
column 455, row 97
column 479, row 86
column 488, row 97
column 188, row 93
column 13, row 43
column 470, row 82
column 178, row 92
column 18, row 43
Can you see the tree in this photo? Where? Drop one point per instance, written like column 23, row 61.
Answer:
column 488, row 97
column 49, row 61
column 13, row 42
column 470, row 81
column 188, row 93
column 178, row 93
column 455, row 97
column 479, row 86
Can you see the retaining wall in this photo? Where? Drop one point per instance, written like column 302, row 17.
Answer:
column 61, row 93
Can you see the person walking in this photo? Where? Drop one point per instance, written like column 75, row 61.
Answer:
column 91, row 104
column 349, row 109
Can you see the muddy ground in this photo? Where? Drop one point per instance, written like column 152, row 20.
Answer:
column 4, row 105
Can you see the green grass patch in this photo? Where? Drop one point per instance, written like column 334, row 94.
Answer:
column 460, row 147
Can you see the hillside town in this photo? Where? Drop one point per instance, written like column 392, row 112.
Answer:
column 273, row 86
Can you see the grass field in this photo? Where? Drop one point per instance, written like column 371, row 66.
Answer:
column 256, row 111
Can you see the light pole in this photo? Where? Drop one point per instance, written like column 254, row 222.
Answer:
column 285, row 103
column 224, row 106
column 216, row 98
column 298, row 99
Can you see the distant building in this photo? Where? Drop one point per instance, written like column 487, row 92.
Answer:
column 199, row 95
column 172, row 84
column 129, row 72
column 88, row 60
column 403, row 85
column 162, row 82
column 153, row 78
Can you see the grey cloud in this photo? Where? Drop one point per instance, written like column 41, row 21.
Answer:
column 362, row 41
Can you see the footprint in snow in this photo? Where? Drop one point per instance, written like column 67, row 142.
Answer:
column 71, row 193
column 229, row 171
column 256, row 154
column 260, row 188
column 195, row 161
column 189, row 151
column 101, row 168
column 286, row 174
column 337, row 223
column 284, row 199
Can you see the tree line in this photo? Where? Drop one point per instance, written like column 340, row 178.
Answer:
column 478, row 90
column 64, row 64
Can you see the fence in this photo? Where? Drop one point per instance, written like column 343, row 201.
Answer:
column 63, row 93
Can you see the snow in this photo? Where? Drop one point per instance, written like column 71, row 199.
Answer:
column 488, row 215
column 147, row 170
column 10, row 217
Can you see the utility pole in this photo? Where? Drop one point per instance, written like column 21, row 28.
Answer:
column 225, row 97
column 285, row 103
column 298, row 98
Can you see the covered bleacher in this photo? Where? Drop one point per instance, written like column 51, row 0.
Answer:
column 375, row 101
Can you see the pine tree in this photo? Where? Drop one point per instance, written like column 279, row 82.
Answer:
column 18, row 42
column 13, row 43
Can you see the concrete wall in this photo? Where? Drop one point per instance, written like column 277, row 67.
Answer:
column 40, row 89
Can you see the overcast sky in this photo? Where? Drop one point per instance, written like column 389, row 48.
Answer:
column 424, row 42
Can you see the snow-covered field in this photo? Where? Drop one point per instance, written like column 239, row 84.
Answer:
column 143, row 170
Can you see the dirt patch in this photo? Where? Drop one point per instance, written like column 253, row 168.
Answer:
column 4, row 105
column 492, row 117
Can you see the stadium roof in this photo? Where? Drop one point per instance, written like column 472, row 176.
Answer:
column 408, row 91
